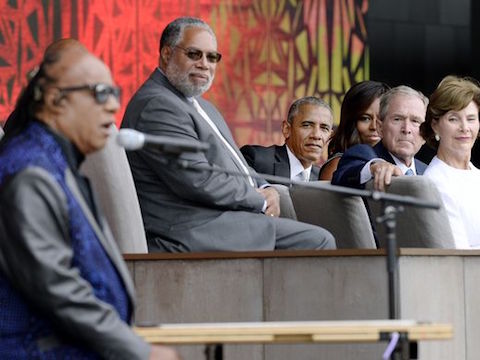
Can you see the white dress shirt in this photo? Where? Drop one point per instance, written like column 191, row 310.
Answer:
column 296, row 168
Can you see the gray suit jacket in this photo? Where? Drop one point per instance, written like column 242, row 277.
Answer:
column 272, row 160
column 186, row 210
column 40, row 225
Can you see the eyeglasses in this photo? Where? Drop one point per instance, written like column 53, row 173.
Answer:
column 196, row 54
column 100, row 92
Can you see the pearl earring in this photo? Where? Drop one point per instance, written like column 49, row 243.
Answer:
column 437, row 137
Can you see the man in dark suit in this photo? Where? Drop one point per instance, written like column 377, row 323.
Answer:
column 306, row 131
column 201, row 210
column 402, row 111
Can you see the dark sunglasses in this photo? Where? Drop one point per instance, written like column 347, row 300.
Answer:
column 100, row 92
column 196, row 54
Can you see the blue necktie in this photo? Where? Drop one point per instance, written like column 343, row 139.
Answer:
column 409, row 172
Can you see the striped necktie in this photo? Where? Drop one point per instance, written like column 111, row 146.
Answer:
column 409, row 172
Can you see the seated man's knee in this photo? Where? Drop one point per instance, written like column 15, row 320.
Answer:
column 328, row 242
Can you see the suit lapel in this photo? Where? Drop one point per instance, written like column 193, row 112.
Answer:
column 105, row 238
column 218, row 121
column 383, row 153
column 420, row 167
column 281, row 166
column 158, row 77
column 314, row 173
column 222, row 127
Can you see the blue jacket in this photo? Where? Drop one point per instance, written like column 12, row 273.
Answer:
column 355, row 158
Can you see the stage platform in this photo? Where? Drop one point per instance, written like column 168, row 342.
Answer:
column 437, row 286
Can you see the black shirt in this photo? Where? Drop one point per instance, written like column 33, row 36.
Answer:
column 74, row 159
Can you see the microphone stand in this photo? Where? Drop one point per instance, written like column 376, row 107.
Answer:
column 392, row 204
column 371, row 194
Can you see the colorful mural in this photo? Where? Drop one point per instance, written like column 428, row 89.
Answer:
column 273, row 50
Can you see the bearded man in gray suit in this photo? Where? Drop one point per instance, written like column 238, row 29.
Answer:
column 202, row 210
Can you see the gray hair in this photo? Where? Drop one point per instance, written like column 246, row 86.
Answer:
column 399, row 90
column 307, row 100
column 173, row 33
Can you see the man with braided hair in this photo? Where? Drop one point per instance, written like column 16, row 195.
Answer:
column 65, row 292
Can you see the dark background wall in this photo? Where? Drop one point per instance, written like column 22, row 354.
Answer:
column 418, row 42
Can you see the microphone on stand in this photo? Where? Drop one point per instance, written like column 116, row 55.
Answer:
column 133, row 140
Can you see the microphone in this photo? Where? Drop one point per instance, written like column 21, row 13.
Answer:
column 133, row 140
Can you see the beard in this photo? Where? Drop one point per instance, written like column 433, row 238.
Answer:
column 182, row 82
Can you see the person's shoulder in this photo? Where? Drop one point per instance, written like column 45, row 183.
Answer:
column 358, row 149
column 209, row 107
column 254, row 153
column 31, row 182
column 335, row 156
column 420, row 166
column 434, row 169
column 155, row 100
column 258, row 148
column 315, row 172
column 474, row 168
column 328, row 168
column 250, row 152
column 155, row 88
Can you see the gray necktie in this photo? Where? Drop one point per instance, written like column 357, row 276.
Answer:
column 409, row 172
column 302, row 176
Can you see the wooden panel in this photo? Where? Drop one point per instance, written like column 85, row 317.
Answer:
column 333, row 288
column 432, row 289
column 313, row 286
column 201, row 291
column 472, row 307
column 131, row 268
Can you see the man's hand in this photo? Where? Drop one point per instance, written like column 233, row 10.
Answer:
column 163, row 353
column 273, row 201
column 382, row 173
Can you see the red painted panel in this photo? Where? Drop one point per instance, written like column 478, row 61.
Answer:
column 273, row 52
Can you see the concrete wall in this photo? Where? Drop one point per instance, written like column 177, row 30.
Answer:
column 437, row 286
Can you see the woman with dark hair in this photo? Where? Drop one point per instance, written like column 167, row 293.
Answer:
column 358, row 122
column 452, row 127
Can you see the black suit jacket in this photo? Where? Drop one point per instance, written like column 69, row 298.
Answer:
column 272, row 160
column 355, row 158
